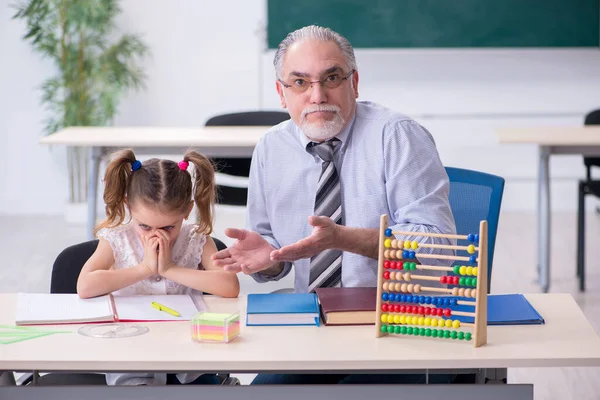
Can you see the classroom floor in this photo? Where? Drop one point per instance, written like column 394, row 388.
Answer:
column 37, row 241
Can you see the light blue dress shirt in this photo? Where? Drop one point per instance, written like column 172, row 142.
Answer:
column 388, row 164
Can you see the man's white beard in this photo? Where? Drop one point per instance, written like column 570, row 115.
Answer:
column 322, row 130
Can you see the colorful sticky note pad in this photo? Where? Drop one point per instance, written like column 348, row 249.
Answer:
column 215, row 327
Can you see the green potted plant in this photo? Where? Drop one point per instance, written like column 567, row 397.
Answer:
column 95, row 67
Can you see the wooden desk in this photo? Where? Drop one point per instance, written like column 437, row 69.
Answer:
column 211, row 141
column 566, row 340
column 583, row 140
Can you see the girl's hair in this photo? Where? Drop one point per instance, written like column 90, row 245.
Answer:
column 159, row 183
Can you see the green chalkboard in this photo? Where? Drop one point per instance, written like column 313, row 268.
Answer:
column 443, row 23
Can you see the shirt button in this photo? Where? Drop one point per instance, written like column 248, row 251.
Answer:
column 158, row 279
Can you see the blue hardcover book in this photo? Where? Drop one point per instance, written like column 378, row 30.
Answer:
column 506, row 309
column 282, row 309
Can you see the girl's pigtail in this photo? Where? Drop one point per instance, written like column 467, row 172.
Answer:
column 203, row 189
column 116, row 181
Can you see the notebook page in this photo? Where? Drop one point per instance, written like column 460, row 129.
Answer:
column 139, row 308
column 49, row 308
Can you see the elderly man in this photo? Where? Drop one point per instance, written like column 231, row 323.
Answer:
column 320, row 181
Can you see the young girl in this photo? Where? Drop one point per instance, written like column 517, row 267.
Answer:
column 154, row 252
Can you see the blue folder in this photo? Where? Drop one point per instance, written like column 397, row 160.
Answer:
column 505, row 309
column 282, row 309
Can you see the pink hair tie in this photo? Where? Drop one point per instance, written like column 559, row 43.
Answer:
column 183, row 165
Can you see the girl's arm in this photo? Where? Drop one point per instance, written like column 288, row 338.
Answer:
column 97, row 277
column 212, row 279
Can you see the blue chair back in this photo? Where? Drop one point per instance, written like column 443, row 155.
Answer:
column 476, row 196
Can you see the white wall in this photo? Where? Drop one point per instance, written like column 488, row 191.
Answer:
column 207, row 59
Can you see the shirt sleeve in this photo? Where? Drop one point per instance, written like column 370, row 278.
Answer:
column 417, row 187
column 257, row 215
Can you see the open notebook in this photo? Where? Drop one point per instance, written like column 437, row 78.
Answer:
column 46, row 308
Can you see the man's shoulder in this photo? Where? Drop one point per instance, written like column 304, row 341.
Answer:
column 283, row 131
column 368, row 110
column 377, row 118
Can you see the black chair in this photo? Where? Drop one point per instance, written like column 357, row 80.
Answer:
column 587, row 186
column 65, row 273
column 237, row 166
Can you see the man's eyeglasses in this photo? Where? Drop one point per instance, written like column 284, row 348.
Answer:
column 331, row 81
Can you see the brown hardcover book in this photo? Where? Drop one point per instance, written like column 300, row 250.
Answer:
column 348, row 305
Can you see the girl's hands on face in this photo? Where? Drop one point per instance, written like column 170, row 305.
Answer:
column 165, row 262
column 151, row 246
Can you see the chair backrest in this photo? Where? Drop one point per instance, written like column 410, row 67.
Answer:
column 591, row 118
column 250, row 118
column 240, row 166
column 476, row 196
column 68, row 264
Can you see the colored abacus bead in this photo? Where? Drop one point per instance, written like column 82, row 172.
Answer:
column 461, row 281
column 384, row 297
column 386, row 275
column 414, row 245
column 385, row 286
column 411, row 255
column 471, row 237
column 475, row 271
column 456, row 280
column 387, row 264
column 477, row 238
column 384, row 307
column 462, row 270
column 472, row 259
column 447, row 312
column 471, row 249
column 388, row 232
column 406, row 276
column 456, row 324
column 455, row 291
column 394, row 244
column 469, row 271
column 386, row 253
column 396, row 308
column 468, row 336
column 387, row 243
column 427, row 310
column 453, row 334
column 456, row 269
column 444, row 279
column 407, row 244
column 417, row 288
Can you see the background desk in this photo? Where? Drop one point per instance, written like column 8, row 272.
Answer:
column 567, row 340
column 551, row 140
column 210, row 141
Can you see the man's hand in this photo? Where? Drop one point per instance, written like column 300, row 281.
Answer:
column 324, row 236
column 249, row 254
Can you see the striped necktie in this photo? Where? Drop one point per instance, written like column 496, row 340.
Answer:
column 326, row 266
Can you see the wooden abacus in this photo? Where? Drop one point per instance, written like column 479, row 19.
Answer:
column 400, row 308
